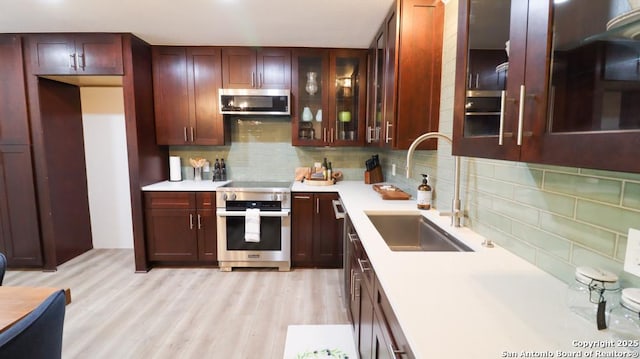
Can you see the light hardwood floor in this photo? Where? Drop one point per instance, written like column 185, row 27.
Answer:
column 184, row 312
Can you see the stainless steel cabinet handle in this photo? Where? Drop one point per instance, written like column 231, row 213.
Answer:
column 352, row 237
column 521, row 115
column 190, row 221
column 81, row 64
column 260, row 82
column 501, row 131
column 301, row 197
column 253, row 79
column 395, row 352
column 199, row 221
column 324, row 134
column 72, row 61
column 351, row 282
column 317, row 205
column 185, row 134
column 369, row 136
column 387, row 138
column 331, row 138
column 470, row 80
column 362, row 267
column 477, row 80
column 192, row 134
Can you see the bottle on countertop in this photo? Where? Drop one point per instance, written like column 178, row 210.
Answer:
column 424, row 193
column 216, row 170
column 325, row 165
column 329, row 172
column 223, row 170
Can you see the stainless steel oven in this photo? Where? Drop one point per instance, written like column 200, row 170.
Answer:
column 273, row 248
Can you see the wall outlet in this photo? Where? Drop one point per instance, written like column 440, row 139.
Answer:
column 393, row 169
column 632, row 257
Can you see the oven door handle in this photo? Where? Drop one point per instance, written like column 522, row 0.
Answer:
column 281, row 213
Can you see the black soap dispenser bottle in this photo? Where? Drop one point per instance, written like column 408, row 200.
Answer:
column 424, row 193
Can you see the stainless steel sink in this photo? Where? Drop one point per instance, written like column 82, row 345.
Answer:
column 413, row 232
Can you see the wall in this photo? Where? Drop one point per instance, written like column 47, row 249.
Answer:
column 107, row 166
column 260, row 149
column 555, row 217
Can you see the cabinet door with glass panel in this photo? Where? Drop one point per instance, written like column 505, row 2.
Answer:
column 571, row 82
column 329, row 97
column 310, row 79
column 347, row 97
column 375, row 95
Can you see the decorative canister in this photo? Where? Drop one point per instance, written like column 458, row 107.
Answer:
column 307, row 115
column 594, row 294
column 312, row 83
column 624, row 321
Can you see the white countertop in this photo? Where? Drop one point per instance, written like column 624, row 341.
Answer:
column 185, row 185
column 484, row 304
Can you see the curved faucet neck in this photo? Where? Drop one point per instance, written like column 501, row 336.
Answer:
column 418, row 141
column 456, row 212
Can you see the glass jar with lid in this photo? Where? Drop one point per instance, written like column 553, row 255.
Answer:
column 624, row 321
column 594, row 294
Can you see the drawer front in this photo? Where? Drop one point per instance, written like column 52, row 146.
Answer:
column 205, row 200
column 170, row 200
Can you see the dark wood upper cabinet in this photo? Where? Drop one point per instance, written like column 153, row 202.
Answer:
column 14, row 120
column 185, row 83
column 247, row 68
column 329, row 97
column 408, row 50
column 570, row 94
column 76, row 54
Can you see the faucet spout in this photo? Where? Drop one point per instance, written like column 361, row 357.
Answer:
column 456, row 213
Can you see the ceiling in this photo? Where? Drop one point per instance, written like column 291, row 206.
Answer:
column 292, row 23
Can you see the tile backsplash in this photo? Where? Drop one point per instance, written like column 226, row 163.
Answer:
column 260, row 149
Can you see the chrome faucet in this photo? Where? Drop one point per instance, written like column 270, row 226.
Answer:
column 456, row 214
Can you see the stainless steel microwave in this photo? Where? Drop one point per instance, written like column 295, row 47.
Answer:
column 255, row 102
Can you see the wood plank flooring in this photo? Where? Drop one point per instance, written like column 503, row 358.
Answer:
column 184, row 312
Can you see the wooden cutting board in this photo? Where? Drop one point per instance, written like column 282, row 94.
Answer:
column 391, row 192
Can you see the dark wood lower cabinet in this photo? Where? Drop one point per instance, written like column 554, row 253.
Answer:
column 19, row 235
column 376, row 329
column 181, row 227
column 316, row 234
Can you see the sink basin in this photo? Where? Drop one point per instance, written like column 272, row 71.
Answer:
column 413, row 232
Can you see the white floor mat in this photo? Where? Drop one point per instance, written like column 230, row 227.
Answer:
column 320, row 342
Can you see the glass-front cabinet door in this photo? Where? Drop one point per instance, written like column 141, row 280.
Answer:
column 485, row 69
column 593, row 86
column 310, row 97
column 555, row 82
column 376, row 83
column 329, row 94
column 348, row 71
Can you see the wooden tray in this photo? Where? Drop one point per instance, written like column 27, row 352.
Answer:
column 391, row 192
column 330, row 182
